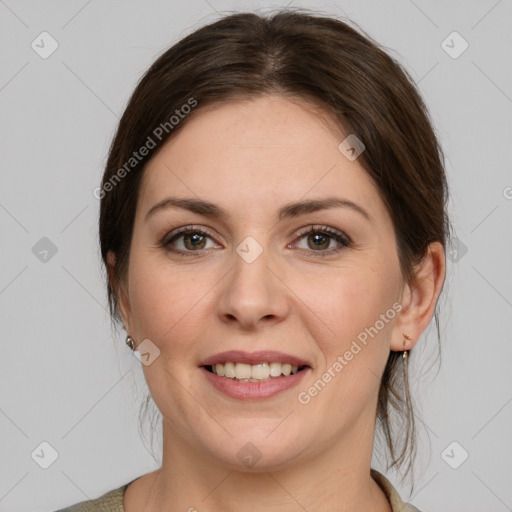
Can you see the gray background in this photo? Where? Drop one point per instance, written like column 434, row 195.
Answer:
column 67, row 381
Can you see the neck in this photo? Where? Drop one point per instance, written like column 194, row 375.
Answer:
column 335, row 478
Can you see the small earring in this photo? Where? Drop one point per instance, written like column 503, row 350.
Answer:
column 405, row 353
column 130, row 342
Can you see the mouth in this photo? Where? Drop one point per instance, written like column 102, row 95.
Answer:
column 254, row 375
column 260, row 372
column 239, row 384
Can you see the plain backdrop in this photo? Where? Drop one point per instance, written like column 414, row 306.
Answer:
column 70, row 390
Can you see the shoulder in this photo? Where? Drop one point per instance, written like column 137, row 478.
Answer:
column 112, row 501
column 397, row 504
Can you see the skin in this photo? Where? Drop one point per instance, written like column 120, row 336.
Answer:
column 251, row 157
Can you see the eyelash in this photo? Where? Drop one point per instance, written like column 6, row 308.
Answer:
column 338, row 236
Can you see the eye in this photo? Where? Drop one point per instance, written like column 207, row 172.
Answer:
column 319, row 239
column 192, row 240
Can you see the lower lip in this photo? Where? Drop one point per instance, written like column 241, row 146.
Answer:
column 253, row 390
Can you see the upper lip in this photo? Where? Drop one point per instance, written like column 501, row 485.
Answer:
column 261, row 356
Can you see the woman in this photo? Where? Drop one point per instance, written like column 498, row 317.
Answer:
column 273, row 224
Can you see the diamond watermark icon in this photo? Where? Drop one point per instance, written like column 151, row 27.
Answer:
column 44, row 250
column 249, row 454
column 44, row 455
column 454, row 45
column 457, row 250
column 454, row 455
column 44, row 45
column 351, row 147
column 146, row 352
column 249, row 249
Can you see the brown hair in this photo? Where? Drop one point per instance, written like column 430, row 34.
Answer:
column 312, row 57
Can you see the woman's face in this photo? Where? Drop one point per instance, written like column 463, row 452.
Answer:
column 254, row 280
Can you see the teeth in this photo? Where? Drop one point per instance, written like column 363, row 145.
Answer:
column 229, row 370
column 286, row 369
column 260, row 371
column 243, row 371
column 254, row 373
column 275, row 369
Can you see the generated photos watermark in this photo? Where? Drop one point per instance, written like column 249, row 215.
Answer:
column 151, row 142
column 304, row 397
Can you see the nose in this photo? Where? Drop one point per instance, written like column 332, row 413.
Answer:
column 253, row 293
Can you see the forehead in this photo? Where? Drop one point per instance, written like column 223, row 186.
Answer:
column 260, row 152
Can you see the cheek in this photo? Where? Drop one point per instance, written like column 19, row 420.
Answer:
column 343, row 304
column 345, row 322
column 169, row 301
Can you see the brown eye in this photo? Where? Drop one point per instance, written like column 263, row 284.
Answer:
column 322, row 239
column 318, row 241
column 187, row 240
column 194, row 241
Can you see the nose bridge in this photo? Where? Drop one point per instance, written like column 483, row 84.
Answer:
column 252, row 292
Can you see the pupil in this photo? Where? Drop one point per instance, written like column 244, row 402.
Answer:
column 317, row 237
column 194, row 239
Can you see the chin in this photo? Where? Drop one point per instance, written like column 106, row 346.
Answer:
column 255, row 450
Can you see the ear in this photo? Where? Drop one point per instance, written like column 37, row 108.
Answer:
column 123, row 302
column 419, row 298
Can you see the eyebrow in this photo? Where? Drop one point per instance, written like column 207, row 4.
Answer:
column 287, row 211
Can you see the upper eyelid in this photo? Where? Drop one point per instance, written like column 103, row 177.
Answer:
column 207, row 231
column 332, row 232
column 322, row 228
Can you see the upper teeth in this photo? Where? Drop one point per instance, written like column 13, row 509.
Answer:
column 249, row 373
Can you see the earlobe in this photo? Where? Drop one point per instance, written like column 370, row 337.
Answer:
column 420, row 298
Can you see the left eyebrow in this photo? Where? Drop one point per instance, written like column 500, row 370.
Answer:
column 289, row 210
column 312, row 205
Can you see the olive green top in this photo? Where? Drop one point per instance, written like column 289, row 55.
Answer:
column 112, row 501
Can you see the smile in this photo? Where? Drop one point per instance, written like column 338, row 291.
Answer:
column 260, row 372
column 249, row 388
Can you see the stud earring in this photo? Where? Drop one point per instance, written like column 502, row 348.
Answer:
column 130, row 342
